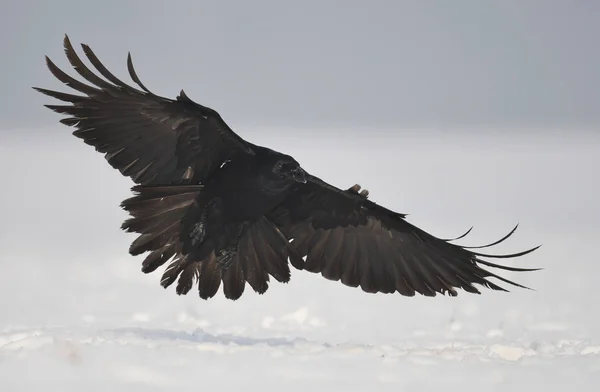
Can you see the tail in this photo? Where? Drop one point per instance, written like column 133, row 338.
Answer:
column 262, row 253
column 159, row 213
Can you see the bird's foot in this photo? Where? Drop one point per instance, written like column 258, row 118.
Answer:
column 357, row 189
column 225, row 257
column 198, row 233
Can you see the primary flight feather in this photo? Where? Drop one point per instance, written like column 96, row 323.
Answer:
column 223, row 211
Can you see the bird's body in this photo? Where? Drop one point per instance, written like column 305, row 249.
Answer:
column 247, row 187
column 226, row 211
column 235, row 196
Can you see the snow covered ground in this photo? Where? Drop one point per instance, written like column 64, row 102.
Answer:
column 78, row 315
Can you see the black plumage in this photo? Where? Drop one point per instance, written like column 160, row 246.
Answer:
column 222, row 211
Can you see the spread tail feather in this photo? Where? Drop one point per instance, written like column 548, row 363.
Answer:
column 158, row 213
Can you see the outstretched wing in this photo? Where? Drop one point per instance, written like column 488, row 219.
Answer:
column 151, row 139
column 348, row 238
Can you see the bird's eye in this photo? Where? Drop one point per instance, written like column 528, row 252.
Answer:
column 279, row 164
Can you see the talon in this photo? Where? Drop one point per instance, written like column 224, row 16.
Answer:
column 364, row 193
column 226, row 257
column 198, row 233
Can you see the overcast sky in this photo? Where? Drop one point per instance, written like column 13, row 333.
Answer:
column 321, row 65
column 325, row 63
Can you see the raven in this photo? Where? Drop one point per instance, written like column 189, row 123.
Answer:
column 225, row 211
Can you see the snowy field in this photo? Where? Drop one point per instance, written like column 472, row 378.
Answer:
column 78, row 315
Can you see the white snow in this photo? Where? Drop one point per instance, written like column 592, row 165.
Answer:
column 78, row 315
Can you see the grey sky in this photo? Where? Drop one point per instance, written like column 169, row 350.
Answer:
column 329, row 66
column 325, row 63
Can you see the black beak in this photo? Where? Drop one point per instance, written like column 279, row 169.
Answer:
column 299, row 175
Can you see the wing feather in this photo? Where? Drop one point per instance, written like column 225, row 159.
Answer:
column 151, row 139
column 347, row 237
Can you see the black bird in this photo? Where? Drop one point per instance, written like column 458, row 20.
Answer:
column 224, row 210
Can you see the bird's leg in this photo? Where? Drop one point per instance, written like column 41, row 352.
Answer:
column 226, row 255
column 198, row 232
column 357, row 189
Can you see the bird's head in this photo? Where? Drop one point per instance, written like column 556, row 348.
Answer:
column 287, row 167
